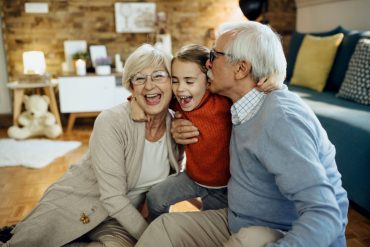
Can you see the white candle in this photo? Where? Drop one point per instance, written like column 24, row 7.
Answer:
column 118, row 62
column 81, row 67
column 117, row 59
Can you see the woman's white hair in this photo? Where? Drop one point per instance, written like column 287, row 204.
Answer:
column 258, row 44
column 144, row 57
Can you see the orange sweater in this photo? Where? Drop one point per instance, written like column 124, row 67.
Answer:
column 207, row 161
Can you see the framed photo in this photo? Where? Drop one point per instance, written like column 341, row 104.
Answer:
column 135, row 17
column 71, row 47
column 97, row 51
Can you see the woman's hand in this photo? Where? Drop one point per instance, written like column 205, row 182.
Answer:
column 268, row 84
column 137, row 114
column 183, row 131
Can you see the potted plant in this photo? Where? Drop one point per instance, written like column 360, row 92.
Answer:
column 103, row 65
column 80, row 55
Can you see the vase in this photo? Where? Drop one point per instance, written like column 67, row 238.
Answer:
column 103, row 70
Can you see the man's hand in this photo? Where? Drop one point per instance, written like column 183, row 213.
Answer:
column 183, row 131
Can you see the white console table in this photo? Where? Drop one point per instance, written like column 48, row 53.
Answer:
column 86, row 96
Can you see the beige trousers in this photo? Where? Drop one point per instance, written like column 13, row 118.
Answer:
column 109, row 233
column 203, row 229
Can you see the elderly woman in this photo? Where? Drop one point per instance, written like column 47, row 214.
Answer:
column 96, row 202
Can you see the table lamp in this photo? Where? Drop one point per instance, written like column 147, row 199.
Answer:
column 34, row 62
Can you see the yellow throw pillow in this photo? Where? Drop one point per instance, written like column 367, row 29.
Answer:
column 314, row 61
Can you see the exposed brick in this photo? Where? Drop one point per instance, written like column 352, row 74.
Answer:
column 93, row 21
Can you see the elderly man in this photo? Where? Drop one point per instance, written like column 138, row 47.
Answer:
column 285, row 189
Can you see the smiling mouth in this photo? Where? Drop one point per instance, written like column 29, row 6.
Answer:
column 184, row 100
column 152, row 99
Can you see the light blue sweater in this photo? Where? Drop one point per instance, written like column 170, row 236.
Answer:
column 284, row 175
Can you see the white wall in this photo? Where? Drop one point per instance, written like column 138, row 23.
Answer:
column 5, row 105
column 324, row 15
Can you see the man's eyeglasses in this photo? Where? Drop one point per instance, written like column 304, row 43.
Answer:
column 156, row 77
column 213, row 54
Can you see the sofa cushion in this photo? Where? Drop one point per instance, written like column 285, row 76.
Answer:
column 356, row 85
column 314, row 61
column 326, row 104
column 341, row 62
column 295, row 44
column 342, row 58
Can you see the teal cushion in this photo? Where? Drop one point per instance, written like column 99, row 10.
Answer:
column 342, row 58
column 295, row 44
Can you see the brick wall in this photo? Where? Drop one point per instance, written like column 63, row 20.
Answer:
column 93, row 21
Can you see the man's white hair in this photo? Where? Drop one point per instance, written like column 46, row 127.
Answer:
column 227, row 26
column 258, row 44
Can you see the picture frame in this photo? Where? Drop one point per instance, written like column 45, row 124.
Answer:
column 97, row 51
column 71, row 47
column 135, row 17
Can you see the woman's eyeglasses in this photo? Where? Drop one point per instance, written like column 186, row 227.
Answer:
column 156, row 77
column 213, row 54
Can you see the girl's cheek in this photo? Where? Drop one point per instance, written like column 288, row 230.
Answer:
column 174, row 88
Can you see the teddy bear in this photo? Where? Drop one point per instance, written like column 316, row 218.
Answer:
column 36, row 120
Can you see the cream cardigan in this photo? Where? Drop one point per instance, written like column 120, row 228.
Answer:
column 97, row 186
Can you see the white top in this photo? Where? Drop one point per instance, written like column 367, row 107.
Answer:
column 155, row 167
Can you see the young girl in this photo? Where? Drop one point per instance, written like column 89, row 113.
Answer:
column 207, row 161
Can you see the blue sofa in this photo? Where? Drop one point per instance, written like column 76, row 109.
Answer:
column 347, row 123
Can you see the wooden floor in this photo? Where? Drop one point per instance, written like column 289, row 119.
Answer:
column 21, row 188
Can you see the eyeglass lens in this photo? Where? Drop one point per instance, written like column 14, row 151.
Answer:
column 157, row 76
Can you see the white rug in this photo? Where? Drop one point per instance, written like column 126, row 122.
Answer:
column 34, row 153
